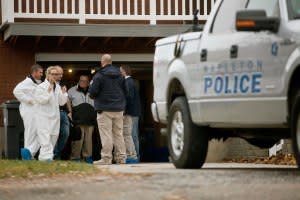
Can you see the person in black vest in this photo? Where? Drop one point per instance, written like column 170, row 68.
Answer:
column 83, row 114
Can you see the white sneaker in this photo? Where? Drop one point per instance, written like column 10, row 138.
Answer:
column 102, row 162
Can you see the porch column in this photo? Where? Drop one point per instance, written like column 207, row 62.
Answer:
column 81, row 12
column 153, row 12
column 10, row 9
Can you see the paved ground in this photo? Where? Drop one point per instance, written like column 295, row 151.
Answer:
column 164, row 182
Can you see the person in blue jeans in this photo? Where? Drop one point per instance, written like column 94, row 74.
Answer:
column 135, row 135
column 132, row 112
column 64, row 129
column 64, row 132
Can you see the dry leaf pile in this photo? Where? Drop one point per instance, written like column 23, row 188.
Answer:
column 279, row 159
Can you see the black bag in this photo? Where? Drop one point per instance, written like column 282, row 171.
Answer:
column 97, row 146
column 75, row 131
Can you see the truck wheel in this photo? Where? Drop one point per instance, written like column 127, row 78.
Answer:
column 187, row 143
column 295, row 128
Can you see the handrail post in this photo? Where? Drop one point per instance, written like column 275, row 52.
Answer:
column 81, row 11
column 153, row 12
column 10, row 11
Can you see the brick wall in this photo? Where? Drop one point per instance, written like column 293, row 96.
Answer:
column 0, row 13
column 1, row 141
column 236, row 148
column 233, row 148
column 240, row 148
column 287, row 146
column 14, row 66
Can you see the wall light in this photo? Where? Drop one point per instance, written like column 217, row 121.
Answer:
column 70, row 70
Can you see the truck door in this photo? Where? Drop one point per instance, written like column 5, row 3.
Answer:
column 214, row 51
column 263, row 54
column 262, row 58
column 217, row 69
column 242, row 70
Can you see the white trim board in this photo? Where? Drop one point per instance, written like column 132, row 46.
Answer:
column 91, row 57
column 90, row 30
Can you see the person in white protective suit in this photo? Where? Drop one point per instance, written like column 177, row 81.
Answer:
column 49, row 96
column 24, row 92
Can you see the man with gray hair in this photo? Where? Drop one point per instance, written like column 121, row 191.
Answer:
column 83, row 115
column 108, row 91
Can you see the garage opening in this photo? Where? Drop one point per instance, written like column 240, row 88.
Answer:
column 153, row 146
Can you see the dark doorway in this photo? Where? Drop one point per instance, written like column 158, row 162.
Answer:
column 153, row 146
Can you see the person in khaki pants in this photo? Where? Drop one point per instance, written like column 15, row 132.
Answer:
column 130, row 111
column 84, row 115
column 108, row 91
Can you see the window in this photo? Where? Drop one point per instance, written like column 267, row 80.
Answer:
column 225, row 18
column 293, row 9
column 270, row 6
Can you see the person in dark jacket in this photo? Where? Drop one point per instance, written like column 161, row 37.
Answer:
column 132, row 110
column 84, row 115
column 108, row 90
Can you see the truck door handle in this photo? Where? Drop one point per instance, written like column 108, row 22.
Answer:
column 203, row 55
column 234, row 51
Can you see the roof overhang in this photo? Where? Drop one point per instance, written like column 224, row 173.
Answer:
column 92, row 30
column 91, row 57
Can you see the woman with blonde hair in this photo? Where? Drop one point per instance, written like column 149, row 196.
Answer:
column 49, row 96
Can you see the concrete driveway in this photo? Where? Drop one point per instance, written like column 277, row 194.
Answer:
column 161, row 181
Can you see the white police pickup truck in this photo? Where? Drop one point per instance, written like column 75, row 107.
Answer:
column 240, row 77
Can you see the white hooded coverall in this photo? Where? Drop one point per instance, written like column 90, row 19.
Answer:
column 48, row 117
column 24, row 92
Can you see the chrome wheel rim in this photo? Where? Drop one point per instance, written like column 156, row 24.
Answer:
column 177, row 133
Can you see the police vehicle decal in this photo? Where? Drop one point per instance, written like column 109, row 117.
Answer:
column 232, row 78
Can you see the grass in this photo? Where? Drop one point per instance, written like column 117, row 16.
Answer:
column 25, row 169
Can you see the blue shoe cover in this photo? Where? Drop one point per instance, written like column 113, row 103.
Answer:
column 89, row 160
column 132, row 161
column 25, row 154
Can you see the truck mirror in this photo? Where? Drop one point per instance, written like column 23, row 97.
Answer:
column 256, row 20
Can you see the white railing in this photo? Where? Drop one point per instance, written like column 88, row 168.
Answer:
column 7, row 11
column 83, row 10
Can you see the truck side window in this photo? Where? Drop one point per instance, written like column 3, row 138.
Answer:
column 270, row 6
column 293, row 9
column 225, row 20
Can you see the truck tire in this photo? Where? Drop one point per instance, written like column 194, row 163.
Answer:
column 295, row 127
column 187, row 143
